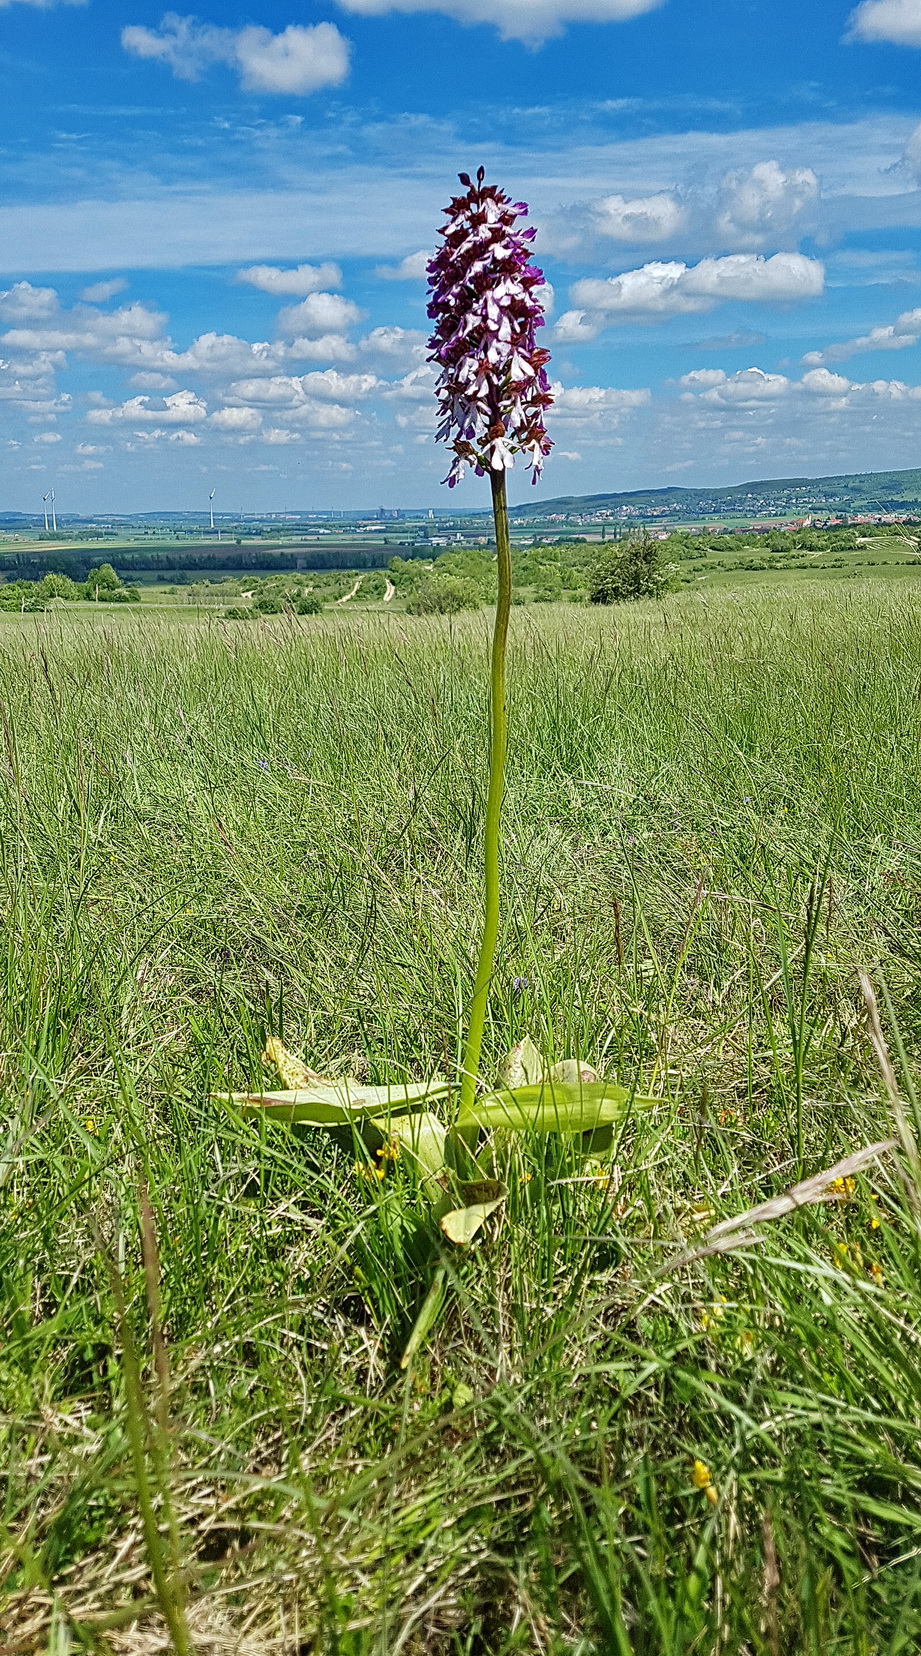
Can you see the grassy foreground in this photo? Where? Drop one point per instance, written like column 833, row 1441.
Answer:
column 212, row 834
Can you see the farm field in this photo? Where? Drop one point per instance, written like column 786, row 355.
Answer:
column 214, row 834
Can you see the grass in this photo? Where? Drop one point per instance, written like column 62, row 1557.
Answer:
column 214, row 833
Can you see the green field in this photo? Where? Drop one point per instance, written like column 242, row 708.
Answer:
column 217, row 832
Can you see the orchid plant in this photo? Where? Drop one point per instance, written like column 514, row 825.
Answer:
column 493, row 396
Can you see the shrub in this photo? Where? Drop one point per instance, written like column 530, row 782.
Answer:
column 633, row 568
column 268, row 604
column 444, row 595
column 237, row 612
column 307, row 604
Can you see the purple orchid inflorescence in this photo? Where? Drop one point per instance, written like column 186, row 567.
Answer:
column 493, row 391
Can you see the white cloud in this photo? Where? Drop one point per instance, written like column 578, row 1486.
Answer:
column 896, row 336
column 181, row 408
column 236, row 419
column 896, row 21
column 660, row 290
column 397, row 347
column 318, row 314
column 100, row 292
column 764, row 201
column 584, row 400
column 327, row 348
column 153, row 382
column 331, row 386
column 279, row 435
column 23, row 302
column 47, row 437
column 114, row 336
column 653, row 218
column 751, row 388
column 303, row 279
column 528, row 20
column 308, row 399
column 410, row 269
column 297, row 61
column 821, row 382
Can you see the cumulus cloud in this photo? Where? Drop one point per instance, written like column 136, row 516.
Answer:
column 153, row 382
column 527, row 20
column 582, row 400
column 663, row 289
column 99, row 293
column 751, row 387
column 182, row 408
column 47, row 437
column 236, row 419
column 24, row 302
column 299, row 60
column 764, row 201
column 896, row 336
column 410, row 269
column 107, row 335
column 653, row 218
column 398, row 347
column 303, row 279
column 306, row 399
column 318, row 314
column 895, row 21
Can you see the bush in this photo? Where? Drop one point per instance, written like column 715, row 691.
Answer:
column 307, row 604
column 268, row 604
column 237, row 612
column 444, row 595
column 633, row 568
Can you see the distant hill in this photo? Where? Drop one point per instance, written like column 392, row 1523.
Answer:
column 892, row 491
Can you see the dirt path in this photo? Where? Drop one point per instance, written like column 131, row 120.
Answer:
column 346, row 596
column 389, row 590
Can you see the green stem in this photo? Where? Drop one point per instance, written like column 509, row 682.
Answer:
column 497, row 748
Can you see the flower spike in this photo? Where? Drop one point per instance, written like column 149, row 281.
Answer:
column 484, row 299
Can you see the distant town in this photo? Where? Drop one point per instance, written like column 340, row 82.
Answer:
column 209, row 541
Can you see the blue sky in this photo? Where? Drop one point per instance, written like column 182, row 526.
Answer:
column 212, row 228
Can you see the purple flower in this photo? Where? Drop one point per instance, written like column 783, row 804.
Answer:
column 493, row 391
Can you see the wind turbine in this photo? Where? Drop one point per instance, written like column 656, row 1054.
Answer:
column 45, row 504
column 54, row 521
column 211, row 499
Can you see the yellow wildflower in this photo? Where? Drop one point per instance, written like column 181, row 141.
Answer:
column 389, row 1151
column 714, row 1312
column 90, row 1125
column 365, row 1171
column 876, row 1274
column 701, row 1479
column 843, row 1187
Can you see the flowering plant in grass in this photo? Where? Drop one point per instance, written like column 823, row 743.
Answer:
column 493, row 396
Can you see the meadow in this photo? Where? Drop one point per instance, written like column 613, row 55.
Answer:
column 617, row 1437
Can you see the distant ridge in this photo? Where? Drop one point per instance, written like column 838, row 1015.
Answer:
column 888, row 491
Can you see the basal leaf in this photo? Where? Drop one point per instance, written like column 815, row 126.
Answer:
column 292, row 1071
column 553, row 1107
column 522, row 1067
column 462, row 1224
column 336, row 1102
